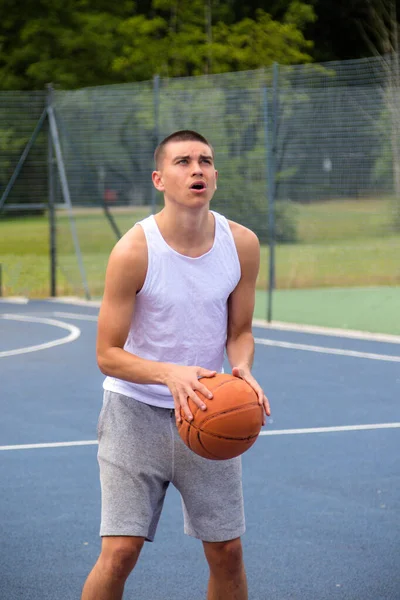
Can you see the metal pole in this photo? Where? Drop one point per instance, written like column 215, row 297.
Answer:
column 271, row 177
column 52, row 211
column 208, row 27
column 1, row 280
column 101, row 179
column 22, row 158
column 269, row 191
column 111, row 220
column 156, row 100
column 66, row 194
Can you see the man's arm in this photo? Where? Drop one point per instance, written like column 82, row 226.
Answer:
column 240, row 341
column 125, row 276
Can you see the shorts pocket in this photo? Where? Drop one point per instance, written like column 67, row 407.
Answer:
column 100, row 420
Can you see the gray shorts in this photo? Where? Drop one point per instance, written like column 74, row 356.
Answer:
column 140, row 453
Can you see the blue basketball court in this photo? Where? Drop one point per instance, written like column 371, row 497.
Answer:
column 321, row 483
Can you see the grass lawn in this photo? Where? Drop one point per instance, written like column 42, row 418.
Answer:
column 361, row 262
column 373, row 309
column 342, row 244
column 354, row 219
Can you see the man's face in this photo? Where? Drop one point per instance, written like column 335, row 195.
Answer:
column 186, row 173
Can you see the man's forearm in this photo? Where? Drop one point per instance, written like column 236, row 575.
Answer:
column 240, row 350
column 116, row 362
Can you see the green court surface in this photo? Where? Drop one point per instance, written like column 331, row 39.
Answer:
column 374, row 309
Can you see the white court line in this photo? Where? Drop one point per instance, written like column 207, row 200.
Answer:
column 313, row 329
column 288, row 345
column 50, row 445
column 262, row 433
column 330, row 429
column 268, row 342
column 329, row 331
column 325, row 350
column 78, row 316
column 74, row 301
column 286, row 326
column 75, row 332
column 14, row 300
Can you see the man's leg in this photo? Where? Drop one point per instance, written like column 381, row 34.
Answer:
column 117, row 559
column 227, row 573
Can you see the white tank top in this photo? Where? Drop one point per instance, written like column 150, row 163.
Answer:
column 181, row 312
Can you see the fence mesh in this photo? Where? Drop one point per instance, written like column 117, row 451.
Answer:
column 19, row 115
column 330, row 132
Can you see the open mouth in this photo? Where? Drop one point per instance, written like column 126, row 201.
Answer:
column 198, row 186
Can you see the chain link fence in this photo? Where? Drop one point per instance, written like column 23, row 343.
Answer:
column 26, row 193
column 307, row 155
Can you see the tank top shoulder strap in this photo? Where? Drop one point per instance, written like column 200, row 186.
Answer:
column 148, row 224
column 220, row 219
column 225, row 242
column 154, row 240
column 222, row 228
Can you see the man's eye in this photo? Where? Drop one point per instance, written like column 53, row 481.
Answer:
column 206, row 160
column 183, row 161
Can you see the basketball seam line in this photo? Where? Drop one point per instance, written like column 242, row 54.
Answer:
column 221, row 437
column 230, row 410
column 204, row 448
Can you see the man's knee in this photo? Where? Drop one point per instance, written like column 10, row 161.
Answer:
column 224, row 556
column 119, row 555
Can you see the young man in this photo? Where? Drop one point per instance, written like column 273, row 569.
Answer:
column 179, row 290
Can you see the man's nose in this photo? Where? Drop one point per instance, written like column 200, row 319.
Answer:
column 197, row 169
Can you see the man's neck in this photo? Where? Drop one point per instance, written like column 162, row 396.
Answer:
column 189, row 232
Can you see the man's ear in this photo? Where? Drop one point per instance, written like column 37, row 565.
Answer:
column 157, row 181
column 216, row 179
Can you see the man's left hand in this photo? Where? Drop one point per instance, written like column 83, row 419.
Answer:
column 246, row 375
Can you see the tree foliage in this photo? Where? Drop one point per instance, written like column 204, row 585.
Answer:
column 83, row 43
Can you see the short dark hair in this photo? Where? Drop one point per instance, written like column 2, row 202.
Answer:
column 184, row 135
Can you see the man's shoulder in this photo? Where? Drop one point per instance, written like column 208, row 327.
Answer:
column 244, row 237
column 131, row 248
column 133, row 239
column 248, row 249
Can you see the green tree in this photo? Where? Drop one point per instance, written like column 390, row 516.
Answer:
column 251, row 44
column 65, row 42
column 82, row 43
column 181, row 45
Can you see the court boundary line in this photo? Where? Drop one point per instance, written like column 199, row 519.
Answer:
column 49, row 445
column 327, row 350
column 277, row 343
column 280, row 325
column 14, row 300
column 332, row 429
column 74, row 334
column 296, row 327
column 275, row 432
column 74, row 301
column 329, row 331
column 77, row 316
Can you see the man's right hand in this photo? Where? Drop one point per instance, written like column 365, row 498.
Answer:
column 183, row 382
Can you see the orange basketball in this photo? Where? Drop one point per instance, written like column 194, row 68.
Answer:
column 231, row 423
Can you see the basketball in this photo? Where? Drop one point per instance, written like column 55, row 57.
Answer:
column 231, row 423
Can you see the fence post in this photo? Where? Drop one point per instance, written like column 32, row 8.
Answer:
column 268, row 188
column 156, row 103
column 51, row 201
column 67, row 198
column 271, row 131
